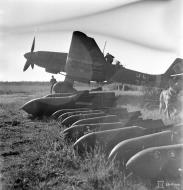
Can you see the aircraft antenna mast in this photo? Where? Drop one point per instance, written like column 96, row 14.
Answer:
column 104, row 47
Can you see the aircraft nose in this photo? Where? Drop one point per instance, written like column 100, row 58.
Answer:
column 26, row 55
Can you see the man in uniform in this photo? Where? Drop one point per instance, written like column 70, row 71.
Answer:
column 52, row 81
column 109, row 58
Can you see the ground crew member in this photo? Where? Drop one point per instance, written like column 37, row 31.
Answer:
column 109, row 58
column 52, row 81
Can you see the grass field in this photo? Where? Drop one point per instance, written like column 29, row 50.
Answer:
column 34, row 154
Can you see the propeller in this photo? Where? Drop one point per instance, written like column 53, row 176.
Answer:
column 28, row 56
column 33, row 45
column 27, row 64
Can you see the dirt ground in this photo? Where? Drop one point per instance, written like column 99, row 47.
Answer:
column 34, row 154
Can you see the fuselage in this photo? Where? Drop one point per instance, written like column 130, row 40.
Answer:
column 55, row 62
column 123, row 75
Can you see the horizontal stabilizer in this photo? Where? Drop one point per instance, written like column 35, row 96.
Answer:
column 181, row 74
column 175, row 68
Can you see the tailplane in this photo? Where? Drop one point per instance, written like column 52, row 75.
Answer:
column 175, row 68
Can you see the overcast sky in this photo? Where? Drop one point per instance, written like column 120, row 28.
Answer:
column 144, row 35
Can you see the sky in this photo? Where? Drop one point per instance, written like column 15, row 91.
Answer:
column 144, row 35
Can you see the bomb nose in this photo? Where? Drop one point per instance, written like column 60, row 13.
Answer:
column 30, row 107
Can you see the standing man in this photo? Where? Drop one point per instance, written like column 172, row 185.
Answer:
column 52, row 81
column 109, row 58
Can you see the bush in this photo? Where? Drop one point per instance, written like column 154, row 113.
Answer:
column 151, row 93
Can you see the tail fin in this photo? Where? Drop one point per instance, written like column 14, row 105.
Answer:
column 85, row 61
column 175, row 68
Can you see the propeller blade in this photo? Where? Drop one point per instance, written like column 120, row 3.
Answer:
column 27, row 65
column 33, row 45
column 28, row 56
column 32, row 65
